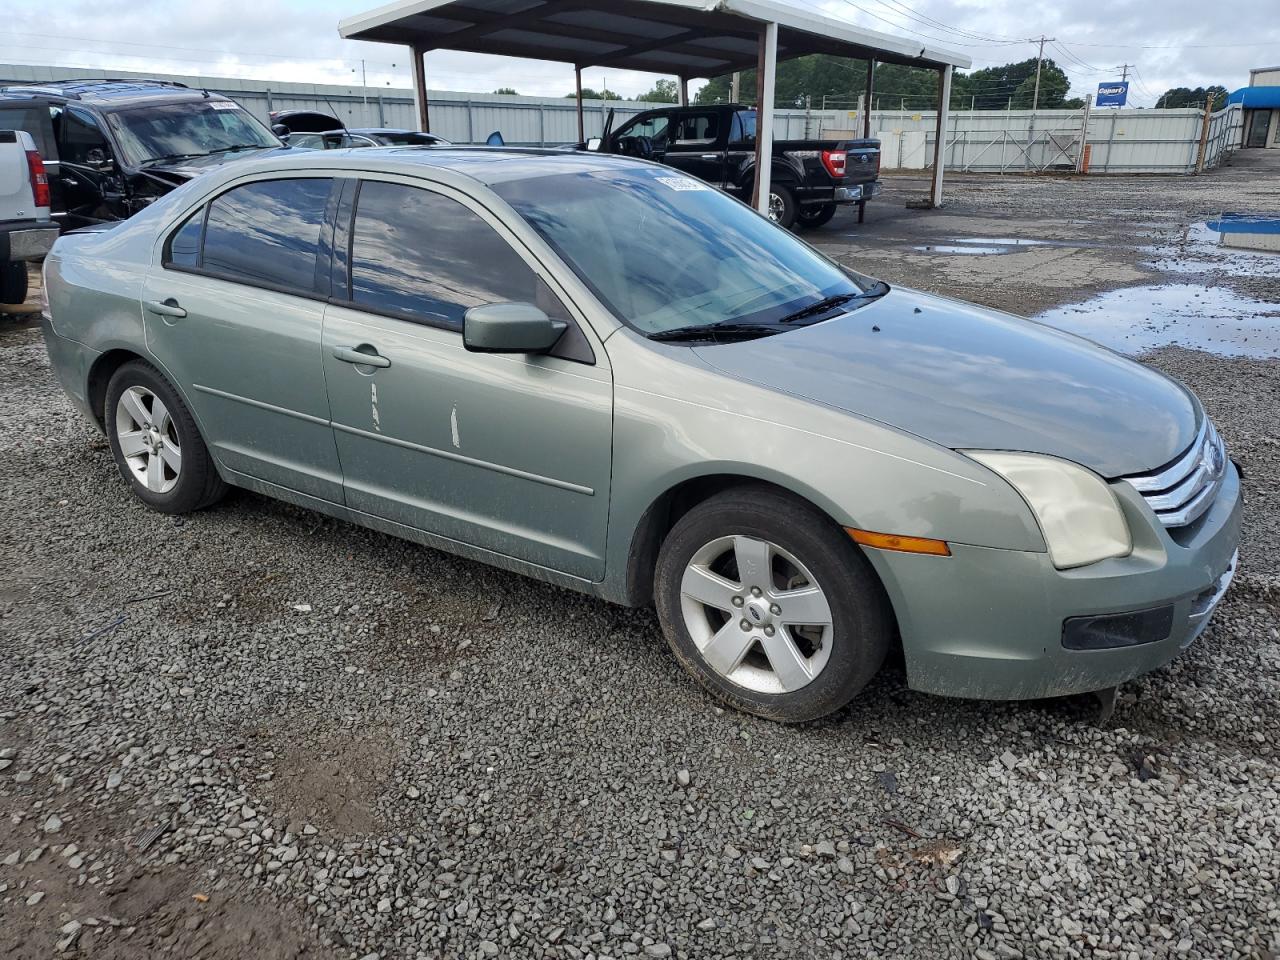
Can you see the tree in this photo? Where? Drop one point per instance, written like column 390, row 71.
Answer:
column 506, row 92
column 589, row 94
column 838, row 82
column 664, row 91
column 1187, row 97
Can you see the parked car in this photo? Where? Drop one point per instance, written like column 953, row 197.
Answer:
column 615, row 378
column 113, row 146
column 27, row 231
column 811, row 179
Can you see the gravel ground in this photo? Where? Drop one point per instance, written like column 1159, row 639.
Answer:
column 259, row 732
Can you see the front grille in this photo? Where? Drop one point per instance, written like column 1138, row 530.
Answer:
column 1181, row 493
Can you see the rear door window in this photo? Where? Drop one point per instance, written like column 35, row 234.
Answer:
column 697, row 130
column 267, row 233
column 32, row 118
column 421, row 256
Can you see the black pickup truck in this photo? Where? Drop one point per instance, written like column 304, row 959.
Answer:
column 811, row 178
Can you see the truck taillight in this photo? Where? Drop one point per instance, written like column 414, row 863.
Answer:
column 39, row 179
column 836, row 161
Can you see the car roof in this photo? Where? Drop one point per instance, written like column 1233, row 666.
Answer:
column 487, row 165
column 109, row 92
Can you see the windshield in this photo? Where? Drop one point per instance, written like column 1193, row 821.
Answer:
column 664, row 252
column 192, row 128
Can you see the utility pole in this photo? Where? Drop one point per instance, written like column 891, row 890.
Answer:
column 735, row 88
column 1035, row 99
column 364, row 90
column 1124, row 71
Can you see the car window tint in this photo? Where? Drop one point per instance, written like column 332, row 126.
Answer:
column 425, row 257
column 267, row 232
column 30, row 117
column 183, row 248
column 80, row 139
column 698, row 129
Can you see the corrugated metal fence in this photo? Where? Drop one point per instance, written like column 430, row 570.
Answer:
column 1000, row 141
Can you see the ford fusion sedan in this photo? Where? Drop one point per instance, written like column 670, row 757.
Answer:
column 604, row 374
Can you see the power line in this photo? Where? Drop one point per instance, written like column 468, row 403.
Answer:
column 930, row 21
column 917, row 33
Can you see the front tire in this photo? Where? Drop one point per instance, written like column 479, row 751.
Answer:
column 782, row 207
column 156, row 444
column 769, row 606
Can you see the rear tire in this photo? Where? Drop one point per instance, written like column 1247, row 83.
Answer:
column 156, row 444
column 817, row 216
column 769, row 606
column 13, row 282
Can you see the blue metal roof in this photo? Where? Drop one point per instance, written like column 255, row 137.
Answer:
column 1257, row 98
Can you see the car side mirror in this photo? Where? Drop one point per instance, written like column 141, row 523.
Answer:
column 594, row 144
column 281, row 131
column 98, row 160
column 510, row 328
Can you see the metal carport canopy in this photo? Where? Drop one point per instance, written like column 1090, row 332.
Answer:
column 682, row 38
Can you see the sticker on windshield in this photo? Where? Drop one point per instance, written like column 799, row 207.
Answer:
column 682, row 184
column 224, row 105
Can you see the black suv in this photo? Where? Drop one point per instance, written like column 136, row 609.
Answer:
column 112, row 146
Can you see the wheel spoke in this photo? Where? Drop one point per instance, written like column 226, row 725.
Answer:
column 132, row 443
column 159, row 414
column 171, row 454
column 725, row 650
column 155, row 473
column 132, row 404
column 787, row 662
column 709, row 588
column 753, row 562
column 806, row 606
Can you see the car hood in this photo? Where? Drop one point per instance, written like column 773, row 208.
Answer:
column 970, row 378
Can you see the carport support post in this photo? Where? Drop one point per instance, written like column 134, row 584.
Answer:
column 871, row 81
column 684, row 91
column 420, row 88
column 582, row 123
column 764, row 115
column 940, row 143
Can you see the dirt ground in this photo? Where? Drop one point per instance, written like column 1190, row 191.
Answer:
column 442, row 760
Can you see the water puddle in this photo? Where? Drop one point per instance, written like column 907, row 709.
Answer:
column 1136, row 320
column 1231, row 246
column 995, row 246
column 959, row 250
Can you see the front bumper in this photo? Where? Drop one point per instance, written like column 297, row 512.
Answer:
column 858, row 192
column 27, row 242
column 988, row 624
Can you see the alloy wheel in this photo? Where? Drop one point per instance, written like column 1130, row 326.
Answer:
column 776, row 207
column 148, row 439
column 756, row 614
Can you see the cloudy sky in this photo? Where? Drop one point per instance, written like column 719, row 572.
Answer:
column 1171, row 42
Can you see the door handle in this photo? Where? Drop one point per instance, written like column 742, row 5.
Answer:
column 710, row 156
column 166, row 308
column 359, row 357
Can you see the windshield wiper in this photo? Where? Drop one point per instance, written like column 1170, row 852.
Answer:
column 827, row 304
column 236, row 146
column 171, row 156
column 715, row 331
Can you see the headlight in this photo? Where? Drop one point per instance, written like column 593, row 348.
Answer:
column 1079, row 515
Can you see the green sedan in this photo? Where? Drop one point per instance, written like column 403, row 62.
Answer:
column 600, row 373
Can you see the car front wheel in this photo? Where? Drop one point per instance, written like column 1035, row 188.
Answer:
column 769, row 605
column 156, row 444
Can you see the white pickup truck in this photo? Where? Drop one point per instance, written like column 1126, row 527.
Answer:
column 26, row 230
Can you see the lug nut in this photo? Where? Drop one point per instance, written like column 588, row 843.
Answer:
column 775, row 609
column 769, row 631
column 737, row 601
column 755, row 591
column 746, row 625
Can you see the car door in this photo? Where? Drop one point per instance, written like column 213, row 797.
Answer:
column 697, row 145
column 653, row 126
column 233, row 311
column 87, row 177
column 506, row 452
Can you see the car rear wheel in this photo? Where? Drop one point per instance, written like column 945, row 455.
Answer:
column 782, row 206
column 13, row 282
column 156, row 444
column 817, row 216
column 769, row 606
